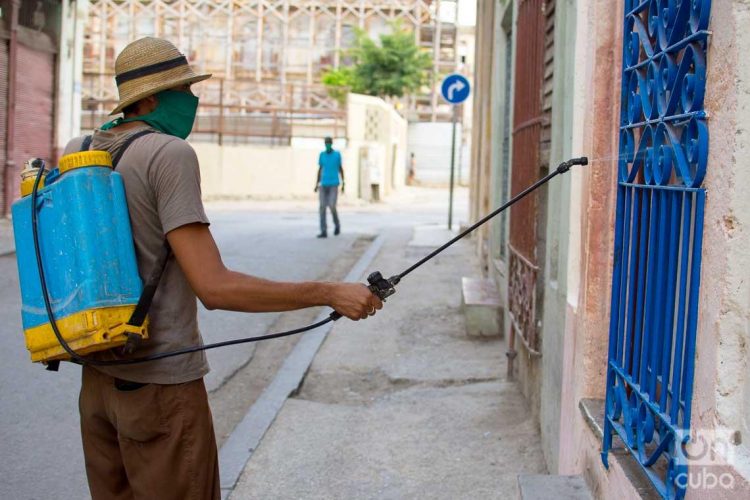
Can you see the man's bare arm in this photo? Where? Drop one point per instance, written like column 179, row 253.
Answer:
column 220, row 288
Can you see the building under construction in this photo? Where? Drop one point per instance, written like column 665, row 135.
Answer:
column 266, row 57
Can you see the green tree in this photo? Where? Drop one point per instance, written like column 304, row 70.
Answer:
column 392, row 68
column 339, row 82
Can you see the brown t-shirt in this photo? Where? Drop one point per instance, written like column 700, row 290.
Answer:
column 162, row 186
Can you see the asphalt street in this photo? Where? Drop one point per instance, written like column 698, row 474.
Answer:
column 39, row 427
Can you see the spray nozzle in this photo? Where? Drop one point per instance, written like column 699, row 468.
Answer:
column 583, row 160
column 565, row 166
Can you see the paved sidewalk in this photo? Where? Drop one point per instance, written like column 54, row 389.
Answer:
column 7, row 244
column 403, row 405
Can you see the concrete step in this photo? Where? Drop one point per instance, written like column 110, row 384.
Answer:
column 481, row 305
column 547, row 486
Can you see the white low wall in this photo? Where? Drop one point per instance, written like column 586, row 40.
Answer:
column 377, row 137
column 373, row 154
column 262, row 172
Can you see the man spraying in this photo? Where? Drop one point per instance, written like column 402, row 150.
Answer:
column 330, row 175
column 147, row 428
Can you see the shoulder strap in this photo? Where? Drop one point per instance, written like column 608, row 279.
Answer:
column 126, row 145
column 149, row 287
column 147, row 296
column 86, row 144
column 152, row 281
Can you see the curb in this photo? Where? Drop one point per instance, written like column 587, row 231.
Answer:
column 246, row 436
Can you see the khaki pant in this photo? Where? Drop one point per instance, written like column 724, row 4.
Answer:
column 151, row 442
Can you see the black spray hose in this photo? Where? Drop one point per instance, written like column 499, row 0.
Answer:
column 561, row 169
column 378, row 285
column 39, row 164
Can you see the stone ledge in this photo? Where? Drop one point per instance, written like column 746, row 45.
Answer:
column 480, row 303
column 480, row 292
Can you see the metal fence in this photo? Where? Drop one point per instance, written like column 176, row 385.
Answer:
column 243, row 111
column 658, row 237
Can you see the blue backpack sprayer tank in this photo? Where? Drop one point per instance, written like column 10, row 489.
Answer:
column 87, row 253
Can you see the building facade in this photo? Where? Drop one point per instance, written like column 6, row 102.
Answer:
column 624, row 283
column 267, row 57
column 37, row 50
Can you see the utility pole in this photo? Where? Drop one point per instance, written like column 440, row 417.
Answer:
column 455, row 89
column 453, row 166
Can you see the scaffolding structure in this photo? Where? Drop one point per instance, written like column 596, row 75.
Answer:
column 266, row 56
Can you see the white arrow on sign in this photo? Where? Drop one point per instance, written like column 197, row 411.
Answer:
column 454, row 87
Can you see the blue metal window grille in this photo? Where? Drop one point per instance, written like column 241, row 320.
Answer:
column 663, row 154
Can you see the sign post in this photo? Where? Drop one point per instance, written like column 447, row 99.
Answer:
column 455, row 89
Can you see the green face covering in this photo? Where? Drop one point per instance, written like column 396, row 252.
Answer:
column 174, row 115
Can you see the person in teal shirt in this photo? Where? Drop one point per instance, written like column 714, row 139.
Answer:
column 330, row 176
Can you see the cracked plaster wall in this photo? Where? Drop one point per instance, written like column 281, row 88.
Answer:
column 722, row 377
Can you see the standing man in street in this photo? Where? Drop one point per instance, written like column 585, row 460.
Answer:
column 147, row 429
column 330, row 175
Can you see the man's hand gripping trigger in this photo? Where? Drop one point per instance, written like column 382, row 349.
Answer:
column 378, row 286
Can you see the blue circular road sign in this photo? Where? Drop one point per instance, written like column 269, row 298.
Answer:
column 455, row 88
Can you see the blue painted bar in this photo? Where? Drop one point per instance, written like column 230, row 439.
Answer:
column 680, row 329
column 618, row 257
column 622, row 234
column 614, row 305
column 659, row 292
column 674, row 120
column 644, row 187
column 673, row 223
column 692, row 322
column 651, row 298
column 641, row 328
column 629, row 329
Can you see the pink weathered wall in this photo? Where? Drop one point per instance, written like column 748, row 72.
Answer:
column 586, row 335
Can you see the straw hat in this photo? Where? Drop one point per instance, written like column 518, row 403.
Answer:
column 148, row 66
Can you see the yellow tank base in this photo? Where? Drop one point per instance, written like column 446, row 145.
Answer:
column 85, row 332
